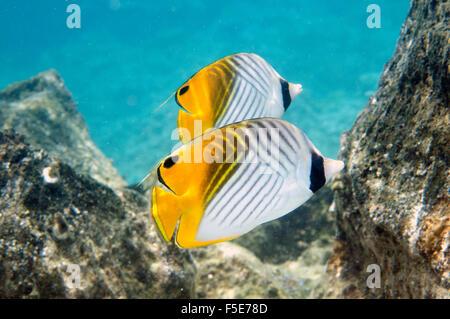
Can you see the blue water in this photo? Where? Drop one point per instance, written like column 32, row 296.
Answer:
column 129, row 56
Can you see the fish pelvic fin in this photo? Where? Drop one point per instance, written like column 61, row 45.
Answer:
column 148, row 182
column 165, row 211
column 187, row 231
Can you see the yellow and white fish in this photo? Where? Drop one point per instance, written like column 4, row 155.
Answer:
column 258, row 170
column 235, row 88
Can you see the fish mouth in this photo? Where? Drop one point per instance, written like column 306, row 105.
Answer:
column 161, row 180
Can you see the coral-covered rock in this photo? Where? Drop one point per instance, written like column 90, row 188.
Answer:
column 392, row 199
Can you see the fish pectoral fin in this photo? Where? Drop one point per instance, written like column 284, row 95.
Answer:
column 148, row 182
column 165, row 212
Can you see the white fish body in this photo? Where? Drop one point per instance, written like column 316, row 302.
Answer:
column 270, row 195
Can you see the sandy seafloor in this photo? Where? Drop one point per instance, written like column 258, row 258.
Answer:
column 129, row 56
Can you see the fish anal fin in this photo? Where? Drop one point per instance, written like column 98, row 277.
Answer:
column 194, row 243
column 187, row 230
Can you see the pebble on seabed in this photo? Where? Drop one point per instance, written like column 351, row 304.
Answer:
column 46, row 175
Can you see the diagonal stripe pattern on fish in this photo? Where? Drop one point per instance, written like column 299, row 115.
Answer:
column 231, row 179
column 235, row 88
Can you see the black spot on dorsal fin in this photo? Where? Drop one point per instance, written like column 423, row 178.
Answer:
column 317, row 176
column 285, row 93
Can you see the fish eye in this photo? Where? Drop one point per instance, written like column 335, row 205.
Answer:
column 184, row 89
column 171, row 161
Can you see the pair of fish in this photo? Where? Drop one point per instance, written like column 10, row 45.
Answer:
column 245, row 166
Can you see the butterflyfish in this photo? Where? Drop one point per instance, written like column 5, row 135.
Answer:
column 235, row 88
column 229, row 180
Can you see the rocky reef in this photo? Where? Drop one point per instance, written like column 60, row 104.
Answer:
column 392, row 200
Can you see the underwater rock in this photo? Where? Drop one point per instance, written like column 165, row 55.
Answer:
column 42, row 109
column 392, row 199
column 56, row 224
column 227, row 270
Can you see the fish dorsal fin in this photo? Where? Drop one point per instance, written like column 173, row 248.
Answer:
column 162, row 104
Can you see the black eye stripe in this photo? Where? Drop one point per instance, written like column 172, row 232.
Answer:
column 160, row 179
column 183, row 90
column 171, row 161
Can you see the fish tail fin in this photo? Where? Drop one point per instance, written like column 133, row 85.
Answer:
column 332, row 167
column 166, row 211
column 295, row 89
